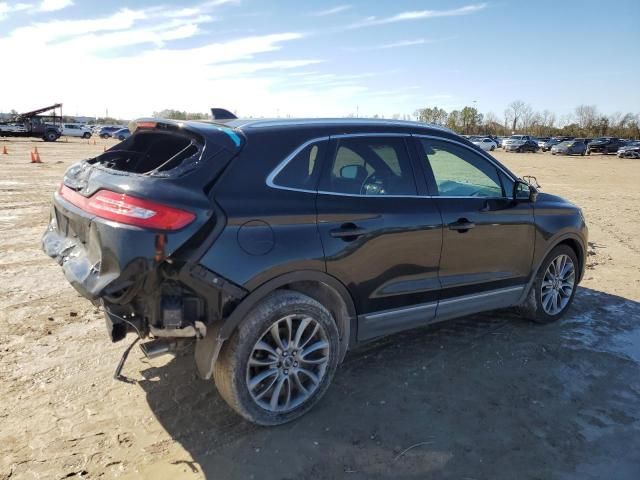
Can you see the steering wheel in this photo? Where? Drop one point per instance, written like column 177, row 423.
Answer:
column 375, row 182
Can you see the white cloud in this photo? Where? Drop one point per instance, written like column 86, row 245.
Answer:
column 331, row 11
column 129, row 62
column 6, row 9
column 129, row 57
column 419, row 15
column 403, row 43
column 54, row 5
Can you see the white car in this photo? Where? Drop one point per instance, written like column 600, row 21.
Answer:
column 484, row 143
column 76, row 130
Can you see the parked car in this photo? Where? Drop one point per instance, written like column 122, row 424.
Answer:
column 121, row 134
column 554, row 141
column 76, row 130
column 604, row 145
column 500, row 140
column 570, row 147
column 279, row 245
column 630, row 150
column 521, row 145
column 107, row 132
column 515, row 139
column 484, row 143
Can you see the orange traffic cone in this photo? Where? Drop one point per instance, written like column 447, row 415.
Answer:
column 35, row 156
column 94, row 141
column 4, row 150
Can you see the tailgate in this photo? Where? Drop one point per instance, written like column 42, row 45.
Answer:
column 102, row 253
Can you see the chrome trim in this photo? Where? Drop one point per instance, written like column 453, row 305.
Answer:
column 274, row 173
column 481, row 295
column 342, row 121
column 380, row 134
column 396, row 311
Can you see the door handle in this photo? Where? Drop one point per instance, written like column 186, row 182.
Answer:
column 348, row 232
column 461, row 225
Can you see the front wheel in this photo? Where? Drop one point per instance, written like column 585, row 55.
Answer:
column 281, row 359
column 86, row 135
column 554, row 287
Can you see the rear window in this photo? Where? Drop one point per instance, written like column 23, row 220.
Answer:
column 301, row 172
column 148, row 152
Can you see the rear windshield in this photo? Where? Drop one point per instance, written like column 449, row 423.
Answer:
column 154, row 152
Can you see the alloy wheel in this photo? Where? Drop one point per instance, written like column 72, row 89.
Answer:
column 558, row 284
column 288, row 363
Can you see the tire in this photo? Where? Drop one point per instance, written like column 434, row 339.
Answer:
column 86, row 135
column 533, row 308
column 50, row 136
column 104, row 136
column 232, row 373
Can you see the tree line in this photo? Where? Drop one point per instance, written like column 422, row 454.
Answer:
column 520, row 118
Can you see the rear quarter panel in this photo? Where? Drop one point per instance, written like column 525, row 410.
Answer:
column 268, row 231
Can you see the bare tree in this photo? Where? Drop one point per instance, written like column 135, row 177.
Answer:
column 526, row 117
column 515, row 110
column 586, row 116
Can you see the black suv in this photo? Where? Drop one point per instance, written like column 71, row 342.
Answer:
column 277, row 246
column 604, row 145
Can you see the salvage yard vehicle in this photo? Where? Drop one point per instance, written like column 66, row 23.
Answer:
column 570, row 147
column 604, row 145
column 484, row 143
column 34, row 124
column 121, row 134
column 107, row 132
column 278, row 245
column 521, row 145
column 630, row 150
column 76, row 130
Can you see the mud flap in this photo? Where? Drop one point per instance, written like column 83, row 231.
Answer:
column 207, row 351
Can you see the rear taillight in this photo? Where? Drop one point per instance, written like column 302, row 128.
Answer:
column 129, row 210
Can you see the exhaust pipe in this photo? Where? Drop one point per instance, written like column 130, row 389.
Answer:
column 157, row 348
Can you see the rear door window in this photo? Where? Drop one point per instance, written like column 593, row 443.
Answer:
column 370, row 166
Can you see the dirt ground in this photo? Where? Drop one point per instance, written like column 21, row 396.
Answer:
column 484, row 397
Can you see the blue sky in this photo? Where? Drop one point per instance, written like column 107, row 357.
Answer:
column 329, row 58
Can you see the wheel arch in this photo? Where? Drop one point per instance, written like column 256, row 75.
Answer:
column 570, row 239
column 320, row 286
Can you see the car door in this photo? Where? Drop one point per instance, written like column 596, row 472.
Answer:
column 381, row 233
column 488, row 238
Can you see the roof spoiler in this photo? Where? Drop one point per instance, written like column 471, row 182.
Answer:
column 222, row 114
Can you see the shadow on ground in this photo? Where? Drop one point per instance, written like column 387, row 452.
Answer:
column 488, row 396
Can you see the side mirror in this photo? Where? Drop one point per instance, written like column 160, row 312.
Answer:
column 523, row 192
column 349, row 171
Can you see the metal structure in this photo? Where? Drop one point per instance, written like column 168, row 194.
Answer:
column 35, row 124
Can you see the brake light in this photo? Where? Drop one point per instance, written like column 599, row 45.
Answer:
column 123, row 208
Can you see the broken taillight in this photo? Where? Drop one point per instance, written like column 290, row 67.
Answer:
column 123, row 208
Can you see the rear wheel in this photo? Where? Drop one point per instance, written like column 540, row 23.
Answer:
column 554, row 287
column 86, row 135
column 50, row 136
column 281, row 359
